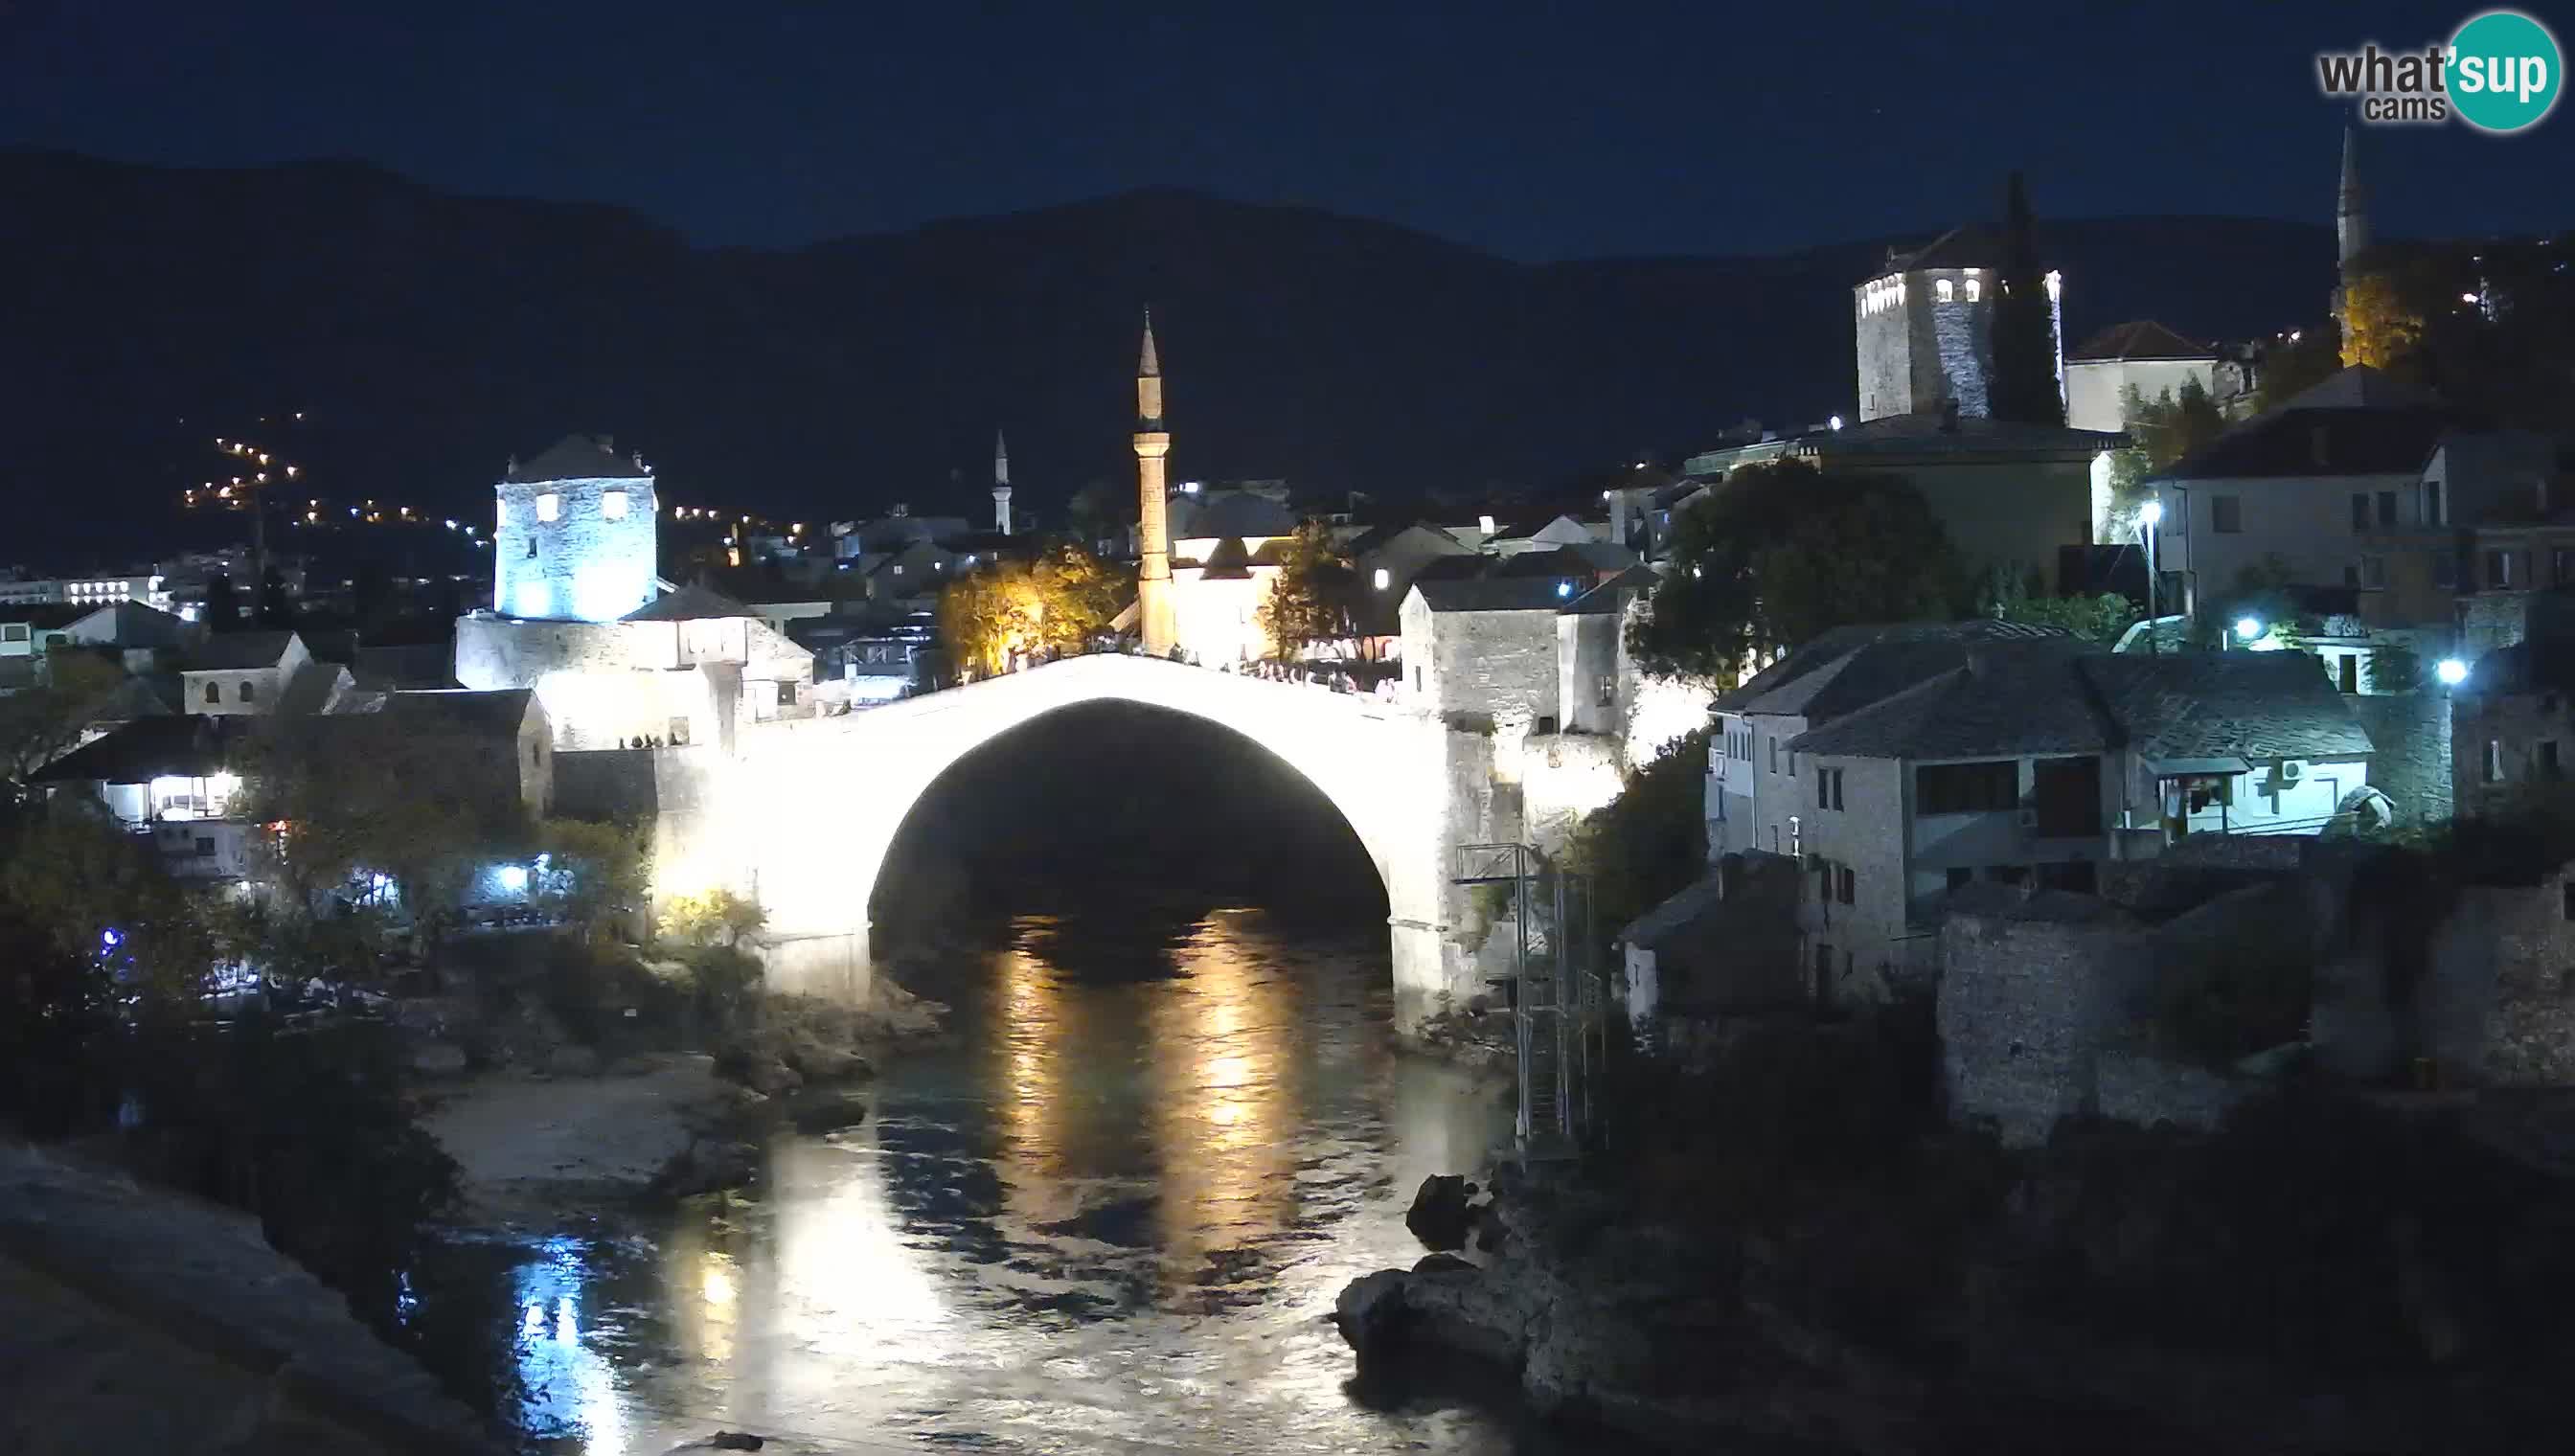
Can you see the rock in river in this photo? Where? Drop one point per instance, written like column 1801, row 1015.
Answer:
column 1439, row 1216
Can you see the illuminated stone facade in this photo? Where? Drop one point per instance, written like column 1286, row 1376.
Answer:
column 575, row 535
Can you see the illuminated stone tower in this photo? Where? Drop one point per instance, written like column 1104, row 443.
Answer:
column 1000, row 484
column 1153, row 615
column 575, row 535
column 2351, row 220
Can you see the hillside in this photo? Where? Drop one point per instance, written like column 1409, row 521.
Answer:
column 429, row 336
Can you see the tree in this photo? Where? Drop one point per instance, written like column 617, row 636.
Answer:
column 99, row 894
column 1010, row 609
column 275, row 610
column 1650, row 842
column 595, row 873
column 1781, row 552
column 42, row 723
column 2292, row 366
column 2162, row 431
column 222, row 610
column 1311, row 601
column 698, row 919
column 2378, row 328
column 2101, row 619
column 2025, row 383
column 356, row 796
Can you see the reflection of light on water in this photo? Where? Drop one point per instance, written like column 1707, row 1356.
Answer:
column 565, row 1387
column 719, row 1282
column 849, row 1289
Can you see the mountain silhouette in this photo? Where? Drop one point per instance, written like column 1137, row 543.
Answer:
column 430, row 336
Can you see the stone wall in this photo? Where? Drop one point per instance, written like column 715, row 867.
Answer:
column 2410, row 763
column 2145, row 1090
column 1564, row 778
column 2024, row 1006
column 2528, row 1012
column 1493, row 663
column 2514, row 725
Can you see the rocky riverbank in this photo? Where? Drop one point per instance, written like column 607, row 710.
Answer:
column 573, row 1134
column 2336, row 1279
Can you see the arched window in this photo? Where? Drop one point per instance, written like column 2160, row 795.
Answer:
column 548, row 506
column 214, row 693
column 1947, row 289
column 612, row 504
column 249, row 692
column 1975, row 289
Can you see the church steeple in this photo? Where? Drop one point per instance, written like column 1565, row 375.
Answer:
column 1156, row 622
column 1000, row 484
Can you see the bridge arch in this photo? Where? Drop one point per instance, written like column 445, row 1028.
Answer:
column 810, row 808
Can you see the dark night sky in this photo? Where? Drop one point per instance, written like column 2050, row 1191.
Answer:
column 1536, row 130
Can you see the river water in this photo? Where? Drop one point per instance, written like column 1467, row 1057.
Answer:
column 1109, row 1214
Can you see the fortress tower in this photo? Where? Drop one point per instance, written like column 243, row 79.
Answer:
column 575, row 536
column 1154, row 619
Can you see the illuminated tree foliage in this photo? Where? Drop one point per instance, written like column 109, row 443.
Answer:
column 2378, row 328
column 1782, row 551
column 2025, row 386
column 1312, row 600
column 1057, row 604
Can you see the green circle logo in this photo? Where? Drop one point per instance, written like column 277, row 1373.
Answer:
column 2505, row 71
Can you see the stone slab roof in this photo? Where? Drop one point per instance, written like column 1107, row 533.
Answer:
column 233, row 651
column 2033, row 700
column 1970, row 245
column 2252, row 706
column 1613, row 593
column 190, row 746
column 1492, row 593
column 1900, row 654
column 688, row 603
column 580, row 458
column 2027, row 700
column 2142, row 338
column 498, row 711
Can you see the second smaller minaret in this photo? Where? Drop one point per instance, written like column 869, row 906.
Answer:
column 1000, row 484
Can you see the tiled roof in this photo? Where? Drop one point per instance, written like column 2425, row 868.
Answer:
column 2293, row 442
column 580, row 458
column 1905, row 653
column 1226, row 561
column 232, row 651
column 1234, row 513
column 2228, row 704
column 1492, row 594
column 2140, row 339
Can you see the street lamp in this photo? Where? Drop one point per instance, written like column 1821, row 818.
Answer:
column 2149, row 516
column 2247, row 627
column 2451, row 672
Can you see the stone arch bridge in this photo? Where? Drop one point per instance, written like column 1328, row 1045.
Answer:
column 803, row 812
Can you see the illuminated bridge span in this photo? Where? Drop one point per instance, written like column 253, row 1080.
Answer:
column 805, row 811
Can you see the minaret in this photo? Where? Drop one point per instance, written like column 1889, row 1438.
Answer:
column 2351, row 220
column 1000, row 484
column 1153, row 615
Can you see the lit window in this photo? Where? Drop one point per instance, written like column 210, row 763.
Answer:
column 1946, row 289
column 1975, row 289
column 612, row 504
column 548, row 506
column 1382, row 579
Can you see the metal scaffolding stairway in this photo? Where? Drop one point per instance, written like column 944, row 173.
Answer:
column 1554, row 994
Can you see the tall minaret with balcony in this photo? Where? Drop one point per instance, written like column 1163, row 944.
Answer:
column 1000, row 484
column 1154, row 619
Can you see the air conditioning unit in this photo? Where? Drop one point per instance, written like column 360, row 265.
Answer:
column 2030, row 818
column 2289, row 771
